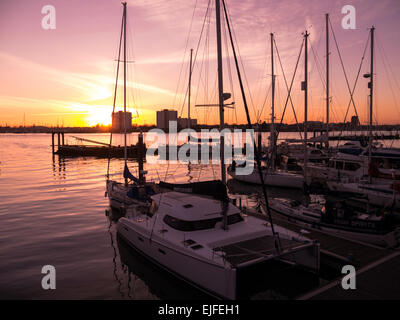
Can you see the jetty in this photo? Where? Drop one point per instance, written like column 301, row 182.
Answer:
column 95, row 149
column 376, row 267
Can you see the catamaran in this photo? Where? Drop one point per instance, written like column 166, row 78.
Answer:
column 203, row 239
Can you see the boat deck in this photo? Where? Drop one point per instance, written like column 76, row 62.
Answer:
column 339, row 248
column 262, row 248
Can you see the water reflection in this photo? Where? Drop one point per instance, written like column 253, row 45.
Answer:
column 59, row 171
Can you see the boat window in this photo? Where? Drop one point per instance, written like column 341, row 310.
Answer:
column 351, row 166
column 339, row 165
column 189, row 242
column 196, row 225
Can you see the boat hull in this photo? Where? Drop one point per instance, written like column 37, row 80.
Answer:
column 216, row 279
column 275, row 179
column 383, row 197
column 389, row 239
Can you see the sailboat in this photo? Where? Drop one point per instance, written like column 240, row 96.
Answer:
column 336, row 216
column 272, row 176
column 195, row 232
column 377, row 191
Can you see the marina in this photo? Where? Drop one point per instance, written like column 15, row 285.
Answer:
column 221, row 169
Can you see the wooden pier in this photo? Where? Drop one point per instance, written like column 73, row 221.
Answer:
column 99, row 150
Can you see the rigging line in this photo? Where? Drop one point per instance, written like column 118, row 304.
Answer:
column 194, row 61
column 257, row 153
column 259, row 91
column 287, row 87
column 234, row 39
column 380, row 47
column 184, row 52
column 355, row 85
column 344, row 70
column 289, row 91
column 228, row 59
column 115, row 96
column 318, row 66
column 197, row 49
column 265, row 99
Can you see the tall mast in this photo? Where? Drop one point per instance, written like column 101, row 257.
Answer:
column 371, row 91
column 190, row 85
column 273, row 104
column 220, row 89
column 305, row 88
column 257, row 153
column 125, row 149
column 327, row 78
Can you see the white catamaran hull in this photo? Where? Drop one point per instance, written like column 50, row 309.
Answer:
column 210, row 258
column 211, row 277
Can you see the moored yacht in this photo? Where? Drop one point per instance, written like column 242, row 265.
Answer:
column 196, row 233
column 336, row 217
column 276, row 178
column 184, row 233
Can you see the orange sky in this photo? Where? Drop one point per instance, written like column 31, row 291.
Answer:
column 66, row 76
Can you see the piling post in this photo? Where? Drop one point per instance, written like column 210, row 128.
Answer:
column 62, row 135
column 52, row 142
column 58, row 139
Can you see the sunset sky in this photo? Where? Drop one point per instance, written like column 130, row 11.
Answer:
column 66, row 76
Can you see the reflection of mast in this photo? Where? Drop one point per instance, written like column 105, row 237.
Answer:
column 114, row 258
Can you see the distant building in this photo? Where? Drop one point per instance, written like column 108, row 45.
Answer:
column 355, row 122
column 184, row 123
column 118, row 121
column 164, row 117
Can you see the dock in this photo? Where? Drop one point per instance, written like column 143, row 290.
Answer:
column 379, row 280
column 377, row 268
column 99, row 149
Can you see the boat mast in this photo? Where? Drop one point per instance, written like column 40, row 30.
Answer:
column 371, row 91
column 257, row 151
column 125, row 149
column 305, row 88
column 220, row 90
column 190, row 85
column 327, row 79
column 273, row 104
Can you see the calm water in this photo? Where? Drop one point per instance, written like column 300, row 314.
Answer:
column 52, row 212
